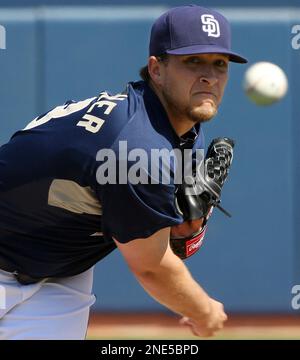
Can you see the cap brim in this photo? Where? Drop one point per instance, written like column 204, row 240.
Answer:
column 208, row 49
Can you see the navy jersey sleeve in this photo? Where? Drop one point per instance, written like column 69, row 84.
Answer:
column 137, row 211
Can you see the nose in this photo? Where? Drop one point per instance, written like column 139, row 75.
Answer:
column 207, row 75
column 208, row 80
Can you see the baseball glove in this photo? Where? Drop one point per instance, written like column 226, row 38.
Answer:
column 196, row 199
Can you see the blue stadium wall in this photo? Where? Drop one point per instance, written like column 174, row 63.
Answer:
column 208, row 3
column 251, row 261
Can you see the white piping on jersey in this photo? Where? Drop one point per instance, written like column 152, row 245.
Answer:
column 97, row 233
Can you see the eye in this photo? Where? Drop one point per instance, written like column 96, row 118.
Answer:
column 193, row 60
column 221, row 63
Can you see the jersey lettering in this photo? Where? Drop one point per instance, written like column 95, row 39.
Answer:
column 94, row 123
column 58, row 112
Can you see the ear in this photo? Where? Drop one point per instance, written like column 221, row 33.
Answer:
column 154, row 69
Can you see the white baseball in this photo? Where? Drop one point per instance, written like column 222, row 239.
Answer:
column 265, row 83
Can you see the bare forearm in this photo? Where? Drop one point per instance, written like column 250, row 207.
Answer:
column 165, row 277
column 172, row 285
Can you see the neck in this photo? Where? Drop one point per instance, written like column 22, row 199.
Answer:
column 180, row 124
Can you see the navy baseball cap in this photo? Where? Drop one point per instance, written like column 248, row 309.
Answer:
column 192, row 29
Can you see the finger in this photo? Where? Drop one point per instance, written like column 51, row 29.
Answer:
column 185, row 321
column 223, row 317
column 196, row 329
column 201, row 332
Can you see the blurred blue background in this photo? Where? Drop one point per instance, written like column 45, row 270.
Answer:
column 211, row 3
column 55, row 53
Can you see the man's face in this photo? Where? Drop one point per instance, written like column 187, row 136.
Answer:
column 193, row 85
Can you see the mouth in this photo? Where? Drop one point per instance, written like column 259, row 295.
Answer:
column 208, row 93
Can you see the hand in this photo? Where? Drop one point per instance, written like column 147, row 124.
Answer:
column 210, row 324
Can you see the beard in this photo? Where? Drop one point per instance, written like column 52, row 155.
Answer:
column 201, row 113
column 196, row 114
